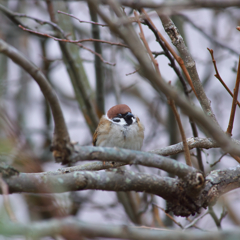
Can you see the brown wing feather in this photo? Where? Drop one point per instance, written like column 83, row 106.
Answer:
column 102, row 129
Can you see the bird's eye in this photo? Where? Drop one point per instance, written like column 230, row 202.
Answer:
column 120, row 115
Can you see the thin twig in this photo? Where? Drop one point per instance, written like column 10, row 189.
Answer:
column 231, row 211
column 71, row 41
column 195, row 226
column 196, row 220
column 199, row 154
column 14, row 15
column 234, row 102
column 83, row 21
column 186, row 149
column 185, row 18
column 142, row 36
column 223, row 214
column 217, row 75
column 233, row 109
column 174, row 54
column 168, row 215
column 5, row 193
column 214, row 217
column 133, row 72
column 213, row 164
column 156, row 215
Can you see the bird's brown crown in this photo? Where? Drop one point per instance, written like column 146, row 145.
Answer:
column 118, row 109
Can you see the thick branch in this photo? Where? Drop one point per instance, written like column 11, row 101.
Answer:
column 115, row 180
column 177, row 5
column 184, row 197
column 132, row 157
column 99, row 70
column 61, row 137
column 178, row 42
column 89, row 230
column 194, row 142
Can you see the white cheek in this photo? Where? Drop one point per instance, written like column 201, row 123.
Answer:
column 121, row 123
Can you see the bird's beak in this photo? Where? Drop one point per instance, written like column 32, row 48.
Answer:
column 128, row 116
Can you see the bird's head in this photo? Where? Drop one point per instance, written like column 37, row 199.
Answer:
column 121, row 114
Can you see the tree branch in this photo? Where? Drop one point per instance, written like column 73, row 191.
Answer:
column 184, row 141
column 208, row 36
column 217, row 75
column 234, row 101
column 178, row 5
column 132, row 157
column 178, row 42
column 184, row 196
column 91, row 230
column 61, row 139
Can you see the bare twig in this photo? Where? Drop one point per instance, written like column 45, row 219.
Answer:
column 196, row 220
column 159, row 37
column 213, row 164
column 71, row 41
column 14, row 15
column 215, row 41
column 234, row 102
column 133, row 72
column 142, row 36
column 186, row 149
column 199, row 154
column 214, row 217
column 5, row 192
column 83, row 21
column 169, row 216
column 156, row 215
column 223, row 214
column 217, row 75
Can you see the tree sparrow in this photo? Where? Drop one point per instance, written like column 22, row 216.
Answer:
column 119, row 128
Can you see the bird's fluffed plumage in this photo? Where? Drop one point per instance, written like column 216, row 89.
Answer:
column 119, row 128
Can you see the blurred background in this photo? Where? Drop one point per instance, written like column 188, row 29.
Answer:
column 26, row 125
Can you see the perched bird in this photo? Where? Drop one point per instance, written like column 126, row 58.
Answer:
column 119, row 128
